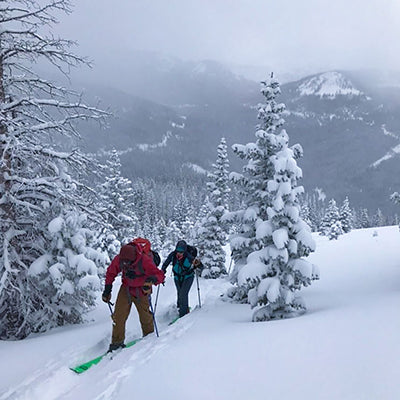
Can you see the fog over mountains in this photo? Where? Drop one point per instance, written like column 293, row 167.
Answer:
column 170, row 115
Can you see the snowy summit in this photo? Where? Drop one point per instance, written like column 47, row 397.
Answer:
column 328, row 85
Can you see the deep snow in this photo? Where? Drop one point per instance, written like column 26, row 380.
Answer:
column 345, row 347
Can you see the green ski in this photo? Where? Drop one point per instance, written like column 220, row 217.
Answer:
column 85, row 366
column 174, row 320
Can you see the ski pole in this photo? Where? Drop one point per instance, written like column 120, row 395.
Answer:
column 230, row 264
column 198, row 288
column 155, row 305
column 111, row 311
column 154, row 317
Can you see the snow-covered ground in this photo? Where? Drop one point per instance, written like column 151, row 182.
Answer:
column 346, row 347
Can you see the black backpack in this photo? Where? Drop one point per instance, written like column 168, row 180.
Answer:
column 192, row 251
column 156, row 258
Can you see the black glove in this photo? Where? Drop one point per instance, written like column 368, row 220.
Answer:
column 196, row 263
column 106, row 296
column 147, row 288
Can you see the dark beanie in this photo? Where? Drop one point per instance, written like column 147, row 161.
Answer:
column 128, row 252
column 181, row 246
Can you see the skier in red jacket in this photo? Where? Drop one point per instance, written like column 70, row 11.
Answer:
column 139, row 273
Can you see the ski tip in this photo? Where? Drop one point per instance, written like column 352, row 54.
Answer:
column 80, row 369
column 84, row 367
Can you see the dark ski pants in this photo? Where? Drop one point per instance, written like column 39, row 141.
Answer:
column 122, row 310
column 183, row 288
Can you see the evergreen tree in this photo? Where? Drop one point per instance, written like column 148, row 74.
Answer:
column 330, row 218
column 67, row 276
column 305, row 214
column 356, row 218
column 35, row 172
column 172, row 235
column 335, row 230
column 364, row 219
column 188, row 227
column 272, row 238
column 378, row 219
column 214, row 231
column 117, row 198
column 346, row 216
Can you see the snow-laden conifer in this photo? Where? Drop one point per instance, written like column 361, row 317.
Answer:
column 272, row 240
column 172, row 235
column 34, row 171
column 67, row 276
column 213, row 233
column 364, row 219
column 346, row 216
column 378, row 218
column 330, row 218
column 117, row 198
column 335, row 230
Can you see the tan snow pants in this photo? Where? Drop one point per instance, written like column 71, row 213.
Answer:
column 122, row 310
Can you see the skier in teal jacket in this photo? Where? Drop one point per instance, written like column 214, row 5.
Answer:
column 184, row 262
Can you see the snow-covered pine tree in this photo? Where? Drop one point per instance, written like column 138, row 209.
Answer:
column 272, row 238
column 34, row 114
column 346, row 216
column 117, row 199
column 188, row 227
column 365, row 221
column 67, row 276
column 332, row 223
column 330, row 218
column 305, row 214
column 335, row 230
column 378, row 219
column 213, row 233
column 172, row 235
column 180, row 210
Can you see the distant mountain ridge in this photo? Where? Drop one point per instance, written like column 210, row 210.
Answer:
column 347, row 123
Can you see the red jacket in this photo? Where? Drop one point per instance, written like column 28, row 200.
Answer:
column 141, row 270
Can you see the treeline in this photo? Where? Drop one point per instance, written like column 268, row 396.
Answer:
column 333, row 219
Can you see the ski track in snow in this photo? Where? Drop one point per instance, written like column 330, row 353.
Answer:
column 63, row 383
column 56, row 381
column 138, row 358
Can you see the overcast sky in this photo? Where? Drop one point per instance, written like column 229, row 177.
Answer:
column 283, row 34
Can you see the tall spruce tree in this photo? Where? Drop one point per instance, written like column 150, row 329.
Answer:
column 272, row 240
column 214, row 232
column 330, row 218
column 365, row 221
column 379, row 219
column 117, row 198
column 67, row 275
column 34, row 172
column 346, row 216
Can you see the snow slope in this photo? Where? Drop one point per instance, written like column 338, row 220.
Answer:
column 345, row 347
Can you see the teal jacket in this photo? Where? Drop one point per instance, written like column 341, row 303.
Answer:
column 182, row 269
